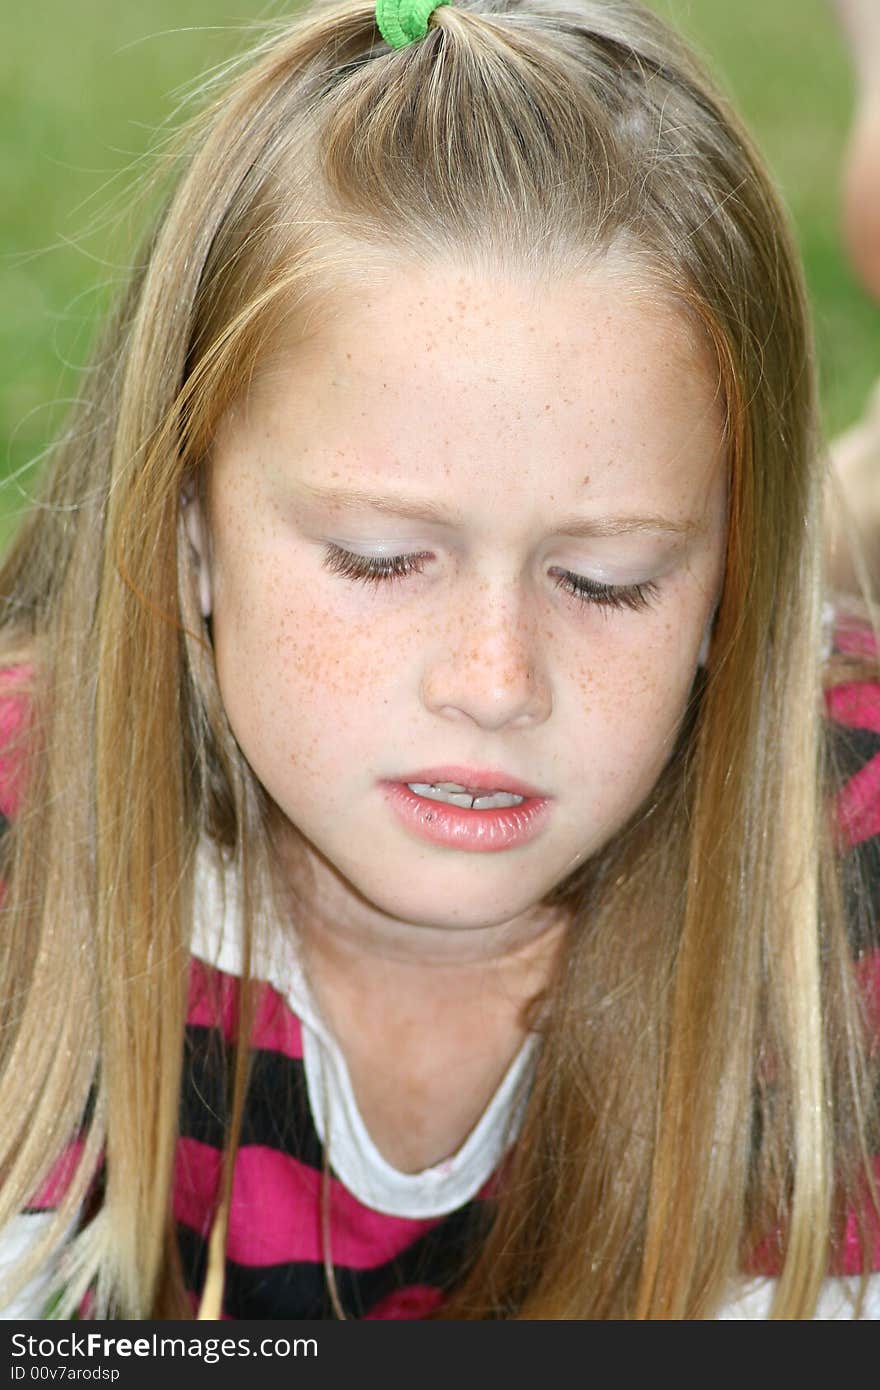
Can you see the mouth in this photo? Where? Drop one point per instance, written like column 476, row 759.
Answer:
column 466, row 798
column 468, row 808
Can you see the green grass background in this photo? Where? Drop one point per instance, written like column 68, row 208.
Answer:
column 84, row 88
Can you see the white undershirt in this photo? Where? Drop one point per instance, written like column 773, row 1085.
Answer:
column 352, row 1153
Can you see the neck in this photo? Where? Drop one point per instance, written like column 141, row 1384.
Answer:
column 428, row 1017
column 347, row 939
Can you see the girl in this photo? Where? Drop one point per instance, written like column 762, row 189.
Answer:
column 431, row 880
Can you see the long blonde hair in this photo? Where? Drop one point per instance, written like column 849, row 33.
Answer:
column 703, row 1078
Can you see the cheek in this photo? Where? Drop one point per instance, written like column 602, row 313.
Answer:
column 629, row 699
column 296, row 676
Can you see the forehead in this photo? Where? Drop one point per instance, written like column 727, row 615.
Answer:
column 471, row 379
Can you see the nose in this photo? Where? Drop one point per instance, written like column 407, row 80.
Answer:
column 488, row 666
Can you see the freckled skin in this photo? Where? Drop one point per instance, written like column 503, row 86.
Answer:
column 331, row 684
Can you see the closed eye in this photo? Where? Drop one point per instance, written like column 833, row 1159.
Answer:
column 381, row 569
column 635, row 596
column 373, row 569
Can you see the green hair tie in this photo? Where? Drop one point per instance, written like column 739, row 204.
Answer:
column 403, row 21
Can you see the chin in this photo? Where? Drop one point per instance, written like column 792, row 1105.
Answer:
column 469, row 916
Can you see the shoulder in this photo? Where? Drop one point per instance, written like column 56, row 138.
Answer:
column 852, row 707
column 16, row 707
column 215, row 1003
column 852, row 692
column 852, row 711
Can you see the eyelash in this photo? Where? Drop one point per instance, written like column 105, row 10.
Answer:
column 386, row 568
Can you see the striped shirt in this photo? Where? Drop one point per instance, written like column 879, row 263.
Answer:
column 396, row 1240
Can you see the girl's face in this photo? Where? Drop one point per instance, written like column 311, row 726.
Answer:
column 472, row 534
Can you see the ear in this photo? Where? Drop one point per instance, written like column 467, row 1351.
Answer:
column 707, row 638
column 197, row 534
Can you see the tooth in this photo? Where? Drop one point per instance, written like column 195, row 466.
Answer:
column 427, row 789
column 467, row 802
column 449, row 798
column 449, row 787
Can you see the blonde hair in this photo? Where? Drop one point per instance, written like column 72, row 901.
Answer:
column 703, row 1078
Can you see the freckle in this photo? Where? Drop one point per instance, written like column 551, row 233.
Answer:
column 586, row 478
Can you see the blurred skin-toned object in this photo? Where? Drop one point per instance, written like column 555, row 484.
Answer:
column 855, row 516
column 860, row 210
column 854, row 511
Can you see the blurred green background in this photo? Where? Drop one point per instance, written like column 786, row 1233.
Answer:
column 85, row 88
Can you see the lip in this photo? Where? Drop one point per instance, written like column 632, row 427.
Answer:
column 453, row 827
column 490, row 779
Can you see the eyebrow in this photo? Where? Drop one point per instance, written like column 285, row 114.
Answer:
column 577, row 526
